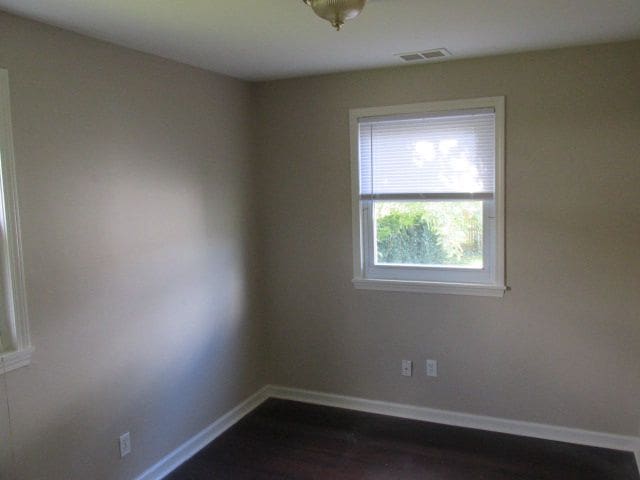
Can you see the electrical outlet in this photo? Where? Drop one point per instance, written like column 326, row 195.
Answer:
column 407, row 367
column 432, row 368
column 125, row 445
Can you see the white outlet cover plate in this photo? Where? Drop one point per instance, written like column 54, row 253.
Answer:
column 432, row 368
column 125, row 444
column 407, row 367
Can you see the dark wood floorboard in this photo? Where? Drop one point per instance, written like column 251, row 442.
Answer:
column 292, row 440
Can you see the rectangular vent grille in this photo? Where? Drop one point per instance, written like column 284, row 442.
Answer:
column 435, row 54
column 412, row 57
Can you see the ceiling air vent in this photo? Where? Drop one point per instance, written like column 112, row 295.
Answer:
column 429, row 55
column 411, row 57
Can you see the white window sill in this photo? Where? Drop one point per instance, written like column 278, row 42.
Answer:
column 430, row 287
column 15, row 359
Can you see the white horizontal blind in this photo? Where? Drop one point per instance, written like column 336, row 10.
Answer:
column 435, row 155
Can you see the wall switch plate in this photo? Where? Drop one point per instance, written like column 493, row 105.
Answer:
column 125, row 444
column 407, row 367
column 432, row 368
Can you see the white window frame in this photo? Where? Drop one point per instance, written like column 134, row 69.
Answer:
column 446, row 280
column 16, row 348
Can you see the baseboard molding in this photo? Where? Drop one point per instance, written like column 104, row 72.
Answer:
column 526, row 429
column 492, row 424
column 192, row 446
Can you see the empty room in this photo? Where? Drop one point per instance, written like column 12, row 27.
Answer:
column 319, row 239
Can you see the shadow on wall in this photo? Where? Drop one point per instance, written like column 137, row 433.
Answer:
column 145, row 329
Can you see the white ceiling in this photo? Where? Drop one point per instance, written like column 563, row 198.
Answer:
column 268, row 39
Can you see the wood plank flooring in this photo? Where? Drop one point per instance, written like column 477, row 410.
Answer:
column 292, row 440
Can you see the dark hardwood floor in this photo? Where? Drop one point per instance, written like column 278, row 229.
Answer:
column 291, row 440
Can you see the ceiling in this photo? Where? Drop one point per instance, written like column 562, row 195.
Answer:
column 269, row 39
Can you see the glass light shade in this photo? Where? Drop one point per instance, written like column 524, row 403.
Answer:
column 337, row 12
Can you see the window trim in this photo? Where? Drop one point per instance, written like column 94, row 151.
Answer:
column 496, row 287
column 16, row 328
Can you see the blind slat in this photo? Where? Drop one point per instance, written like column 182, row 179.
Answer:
column 428, row 196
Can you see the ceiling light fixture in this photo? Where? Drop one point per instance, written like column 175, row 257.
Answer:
column 336, row 12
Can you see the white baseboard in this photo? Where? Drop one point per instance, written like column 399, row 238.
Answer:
column 492, row 424
column 526, row 429
column 192, row 446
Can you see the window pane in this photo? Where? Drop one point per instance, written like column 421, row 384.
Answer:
column 428, row 233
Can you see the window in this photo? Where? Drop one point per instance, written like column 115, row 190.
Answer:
column 428, row 197
column 15, row 348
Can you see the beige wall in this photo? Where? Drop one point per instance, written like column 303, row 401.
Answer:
column 563, row 346
column 134, row 187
